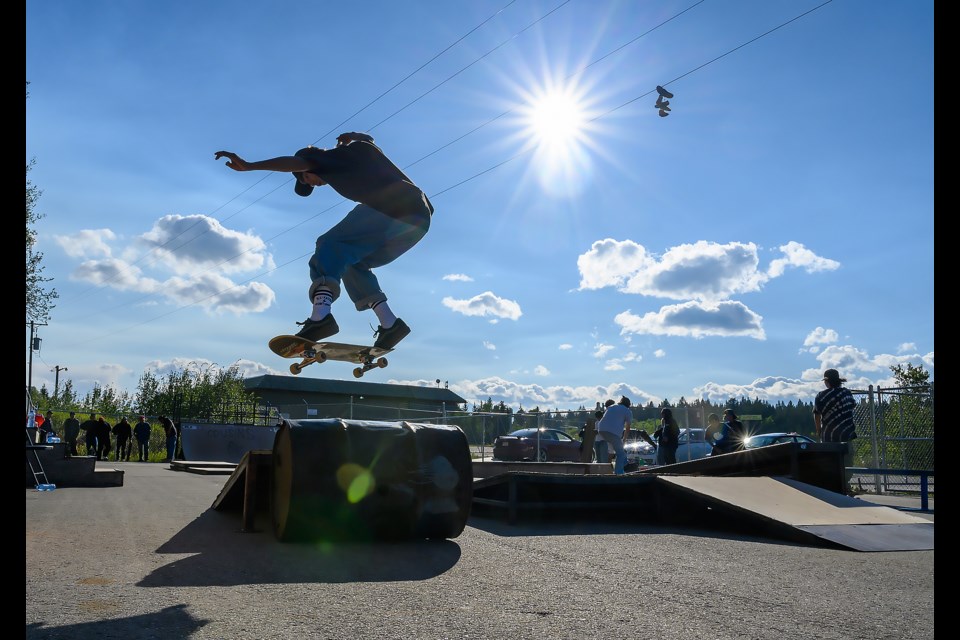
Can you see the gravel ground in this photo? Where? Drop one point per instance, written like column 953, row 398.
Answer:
column 152, row 559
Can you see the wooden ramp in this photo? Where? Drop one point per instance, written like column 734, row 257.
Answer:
column 247, row 488
column 204, row 467
column 794, row 510
column 777, row 507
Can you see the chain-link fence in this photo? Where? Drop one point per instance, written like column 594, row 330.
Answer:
column 895, row 432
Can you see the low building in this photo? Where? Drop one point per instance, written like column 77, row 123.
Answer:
column 298, row 398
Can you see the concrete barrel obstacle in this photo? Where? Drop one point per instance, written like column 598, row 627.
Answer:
column 336, row 480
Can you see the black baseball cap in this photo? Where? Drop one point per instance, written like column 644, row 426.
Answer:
column 300, row 187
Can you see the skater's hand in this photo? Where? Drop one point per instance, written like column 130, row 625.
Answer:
column 234, row 161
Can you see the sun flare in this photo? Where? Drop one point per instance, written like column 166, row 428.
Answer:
column 556, row 123
column 556, row 119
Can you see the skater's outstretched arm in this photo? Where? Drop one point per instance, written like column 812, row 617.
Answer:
column 286, row 164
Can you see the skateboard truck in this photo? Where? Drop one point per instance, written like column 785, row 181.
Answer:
column 310, row 356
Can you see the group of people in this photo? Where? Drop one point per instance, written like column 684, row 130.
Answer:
column 100, row 437
column 833, row 410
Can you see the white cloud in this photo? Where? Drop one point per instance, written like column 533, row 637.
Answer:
column 659, row 353
column 515, row 394
column 197, row 248
column 565, row 346
column 798, row 255
column 187, row 243
column 489, row 345
column 216, row 293
column 705, row 271
column 458, row 277
column 600, row 350
column 906, row 346
column 115, row 273
column 610, row 262
column 87, row 243
column 485, row 304
column 541, row 370
column 820, row 336
column 696, row 320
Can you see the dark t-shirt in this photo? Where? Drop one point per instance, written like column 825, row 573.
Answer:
column 360, row 171
column 71, row 428
column 835, row 406
column 122, row 430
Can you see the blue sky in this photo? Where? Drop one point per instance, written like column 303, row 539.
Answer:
column 778, row 222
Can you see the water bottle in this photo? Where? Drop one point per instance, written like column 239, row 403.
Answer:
column 52, row 439
column 46, row 487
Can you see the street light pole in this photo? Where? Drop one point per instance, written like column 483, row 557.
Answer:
column 56, row 379
column 34, row 346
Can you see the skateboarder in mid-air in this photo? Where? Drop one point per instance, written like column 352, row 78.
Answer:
column 391, row 216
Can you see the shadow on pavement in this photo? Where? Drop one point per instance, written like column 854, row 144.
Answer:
column 223, row 555
column 171, row 622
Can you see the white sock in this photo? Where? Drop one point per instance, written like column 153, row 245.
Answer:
column 322, row 300
column 384, row 315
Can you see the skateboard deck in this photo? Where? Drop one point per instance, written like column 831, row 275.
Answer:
column 288, row 346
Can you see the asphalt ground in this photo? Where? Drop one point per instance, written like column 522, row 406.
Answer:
column 152, row 559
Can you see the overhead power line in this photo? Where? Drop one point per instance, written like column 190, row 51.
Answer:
column 485, row 171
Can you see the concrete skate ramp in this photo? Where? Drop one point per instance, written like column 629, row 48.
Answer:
column 792, row 508
column 776, row 507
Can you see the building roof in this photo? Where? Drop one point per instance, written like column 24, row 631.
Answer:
column 347, row 388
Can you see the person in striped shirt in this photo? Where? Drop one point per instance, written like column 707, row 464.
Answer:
column 833, row 416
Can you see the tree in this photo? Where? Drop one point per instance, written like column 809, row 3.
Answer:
column 39, row 299
column 908, row 375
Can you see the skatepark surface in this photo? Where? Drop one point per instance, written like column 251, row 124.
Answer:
column 152, row 559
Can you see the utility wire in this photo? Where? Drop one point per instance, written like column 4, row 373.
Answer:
column 485, row 171
column 155, row 250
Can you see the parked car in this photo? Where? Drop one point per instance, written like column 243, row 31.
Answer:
column 640, row 452
column 552, row 445
column 692, row 445
column 767, row 439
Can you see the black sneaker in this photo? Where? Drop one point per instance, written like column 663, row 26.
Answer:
column 388, row 338
column 317, row 330
column 663, row 92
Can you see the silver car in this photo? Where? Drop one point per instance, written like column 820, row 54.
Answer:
column 692, row 445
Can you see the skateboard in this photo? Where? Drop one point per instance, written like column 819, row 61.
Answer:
column 367, row 357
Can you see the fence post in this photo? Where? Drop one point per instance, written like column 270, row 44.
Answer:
column 873, row 436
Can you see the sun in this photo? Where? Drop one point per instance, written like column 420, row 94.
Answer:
column 556, row 119
column 557, row 125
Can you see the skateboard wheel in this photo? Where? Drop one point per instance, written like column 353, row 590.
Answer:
column 295, row 368
column 358, row 372
column 321, row 357
column 381, row 362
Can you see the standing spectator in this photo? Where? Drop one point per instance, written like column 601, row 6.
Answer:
column 41, row 428
column 122, row 430
column 712, row 432
column 48, row 423
column 103, row 439
column 90, row 427
column 170, row 432
column 600, row 448
column 731, row 434
column 71, row 431
column 614, row 427
column 142, row 433
column 669, row 437
column 179, row 452
column 833, row 417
